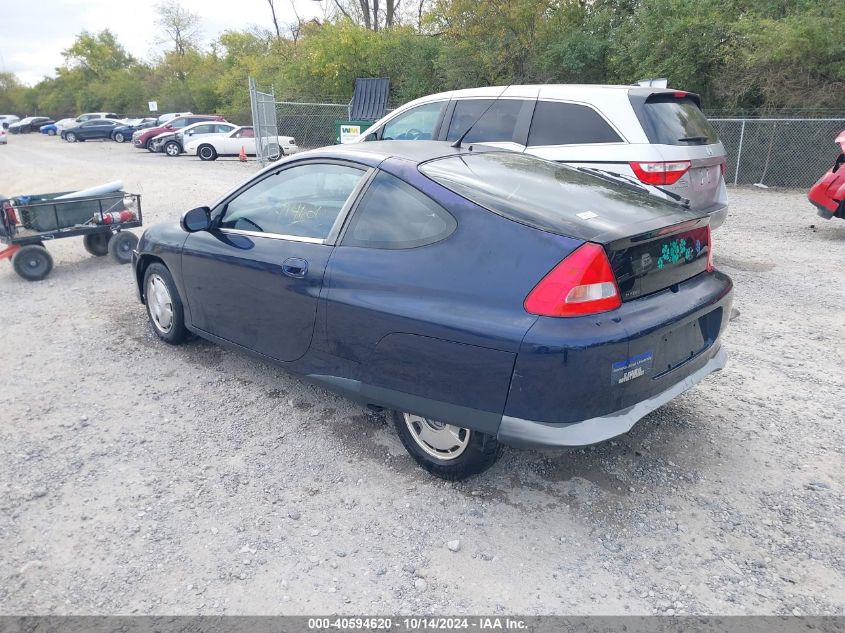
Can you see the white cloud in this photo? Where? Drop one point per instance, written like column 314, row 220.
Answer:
column 32, row 42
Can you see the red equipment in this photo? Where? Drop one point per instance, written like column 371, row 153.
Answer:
column 828, row 194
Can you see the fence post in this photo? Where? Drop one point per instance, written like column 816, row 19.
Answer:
column 739, row 152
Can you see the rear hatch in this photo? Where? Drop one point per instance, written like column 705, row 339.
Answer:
column 651, row 243
column 673, row 121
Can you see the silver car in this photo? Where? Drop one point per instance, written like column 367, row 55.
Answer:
column 644, row 135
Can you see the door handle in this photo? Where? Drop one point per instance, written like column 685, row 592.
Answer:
column 295, row 267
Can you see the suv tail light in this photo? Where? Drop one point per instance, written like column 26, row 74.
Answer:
column 660, row 173
column 710, row 266
column 583, row 283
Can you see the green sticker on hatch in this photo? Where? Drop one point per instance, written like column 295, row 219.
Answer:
column 675, row 251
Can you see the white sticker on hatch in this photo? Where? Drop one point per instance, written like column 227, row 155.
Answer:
column 587, row 215
column 635, row 367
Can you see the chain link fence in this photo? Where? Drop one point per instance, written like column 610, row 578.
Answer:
column 782, row 152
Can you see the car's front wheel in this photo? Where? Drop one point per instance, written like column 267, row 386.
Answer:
column 51, row 132
column 164, row 306
column 445, row 450
column 207, row 152
column 70, row 137
column 172, row 148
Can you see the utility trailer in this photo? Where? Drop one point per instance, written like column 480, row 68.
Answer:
column 28, row 222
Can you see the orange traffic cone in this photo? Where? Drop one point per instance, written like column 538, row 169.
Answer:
column 242, row 155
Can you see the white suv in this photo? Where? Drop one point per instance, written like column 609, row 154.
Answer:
column 654, row 136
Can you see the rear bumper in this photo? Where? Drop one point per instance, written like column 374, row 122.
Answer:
column 531, row 433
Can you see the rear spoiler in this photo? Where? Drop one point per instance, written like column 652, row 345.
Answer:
column 641, row 95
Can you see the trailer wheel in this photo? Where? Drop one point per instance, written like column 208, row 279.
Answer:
column 121, row 246
column 97, row 243
column 32, row 262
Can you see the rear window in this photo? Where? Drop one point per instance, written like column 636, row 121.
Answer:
column 557, row 123
column 549, row 196
column 671, row 121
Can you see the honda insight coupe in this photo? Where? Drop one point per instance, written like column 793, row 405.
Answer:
column 484, row 297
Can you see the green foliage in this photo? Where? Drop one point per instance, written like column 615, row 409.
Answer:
column 736, row 53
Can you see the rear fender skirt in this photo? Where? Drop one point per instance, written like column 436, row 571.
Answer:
column 475, row 419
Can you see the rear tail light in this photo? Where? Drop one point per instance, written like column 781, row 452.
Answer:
column 710, row 267
column 660, row 173
column 583, row 283
column 724, row 167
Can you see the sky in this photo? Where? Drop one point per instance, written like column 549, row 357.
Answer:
column 33, row 38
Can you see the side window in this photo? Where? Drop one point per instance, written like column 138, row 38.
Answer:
column 392, row 214
column 178, row 123
column 497, row 124
column 302, row 201
column 417, row 124
column 568, row 124
column 203, row 129
column 246, row 132
column 222, row 127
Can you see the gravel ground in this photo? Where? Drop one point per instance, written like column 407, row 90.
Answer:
column 141, row 478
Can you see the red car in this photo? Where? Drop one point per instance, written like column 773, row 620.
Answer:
column 828, row 194
column 141, row 139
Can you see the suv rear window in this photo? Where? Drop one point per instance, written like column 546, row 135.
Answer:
column 669, row 120
column 556, row 123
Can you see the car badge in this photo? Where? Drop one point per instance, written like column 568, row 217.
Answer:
column 709, row 152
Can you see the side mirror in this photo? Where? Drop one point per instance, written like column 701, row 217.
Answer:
column 198, row 219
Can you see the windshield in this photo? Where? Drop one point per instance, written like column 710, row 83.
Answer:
column 673, row 121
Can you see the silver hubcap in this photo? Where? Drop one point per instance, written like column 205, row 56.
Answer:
column 160, row 304
column 205, row 152
column 172, row 150
column 118, row 138
column 438, row 439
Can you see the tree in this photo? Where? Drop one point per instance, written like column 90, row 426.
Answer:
column 275, row 20
column 367, row 13
column 180, row 27
column 96, row 55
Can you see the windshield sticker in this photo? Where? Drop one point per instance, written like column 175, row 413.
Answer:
column 635, row 367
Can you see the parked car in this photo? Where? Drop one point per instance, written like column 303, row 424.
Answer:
column 209, row 148
column 124, row 133
column 7, row 119
column 828, row 194
column 650, row 135
column 142, row 139
column 91, row 129
column 29, row 124
column 461, row 288
column 50, row 129
column 169, row 116
column 173, row 143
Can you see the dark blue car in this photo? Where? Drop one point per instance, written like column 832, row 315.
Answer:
column 483, row 296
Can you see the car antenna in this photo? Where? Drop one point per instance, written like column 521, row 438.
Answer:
column 457, row 144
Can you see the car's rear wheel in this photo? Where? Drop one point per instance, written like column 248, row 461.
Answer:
column 70, row 137
column 207, row 152
column 445, row 450
column 118, row 137
column 172, row 148
column 51, row 132
column 97, row 243
column 164, row 306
